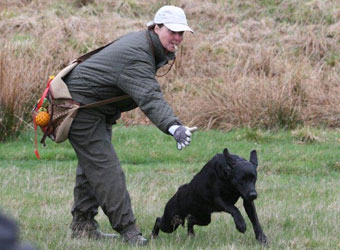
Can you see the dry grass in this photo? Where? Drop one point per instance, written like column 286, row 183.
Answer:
column 268, row 64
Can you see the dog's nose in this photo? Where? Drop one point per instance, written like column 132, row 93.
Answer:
column 252, row 195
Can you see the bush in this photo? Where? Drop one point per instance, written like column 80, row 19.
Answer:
column 14, row 99
column 263, row 64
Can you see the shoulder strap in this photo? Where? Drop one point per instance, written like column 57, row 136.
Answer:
column 110, row 100
column 92, row 52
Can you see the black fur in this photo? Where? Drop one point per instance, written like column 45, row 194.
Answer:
column 216, row 188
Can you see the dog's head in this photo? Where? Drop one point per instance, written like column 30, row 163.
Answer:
column 242, row 173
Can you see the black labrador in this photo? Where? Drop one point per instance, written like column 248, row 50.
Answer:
column 216, row 188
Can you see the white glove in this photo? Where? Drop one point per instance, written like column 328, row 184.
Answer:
column 182, row 135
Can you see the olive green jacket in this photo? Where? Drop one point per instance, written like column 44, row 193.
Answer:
column 127, row 66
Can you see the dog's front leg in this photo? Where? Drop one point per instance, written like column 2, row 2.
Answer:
column 251, row 211
column 155, row 230
column 231, row 209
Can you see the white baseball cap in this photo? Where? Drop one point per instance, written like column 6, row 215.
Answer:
column 172, row 17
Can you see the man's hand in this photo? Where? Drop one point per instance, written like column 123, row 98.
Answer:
column 182, row 135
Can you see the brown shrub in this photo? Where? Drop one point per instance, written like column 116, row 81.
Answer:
column 247, row 64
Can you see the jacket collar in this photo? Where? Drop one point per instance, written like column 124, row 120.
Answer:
column 161, row 57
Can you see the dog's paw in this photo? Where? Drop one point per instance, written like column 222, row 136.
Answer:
column 191, row 234
column 262, row 238
column 153, row 236
column 241, row 226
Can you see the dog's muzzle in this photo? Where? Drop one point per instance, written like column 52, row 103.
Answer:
column 252, row 195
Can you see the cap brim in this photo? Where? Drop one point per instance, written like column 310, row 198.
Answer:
column 177, row 27
column 150, row 23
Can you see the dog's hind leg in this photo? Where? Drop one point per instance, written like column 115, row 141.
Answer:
column 155, row 230
column 201, row 221
column 190, row 224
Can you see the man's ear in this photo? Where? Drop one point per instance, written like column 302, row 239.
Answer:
column 156, row 28
column 253, row 158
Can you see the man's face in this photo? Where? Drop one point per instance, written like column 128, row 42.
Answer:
column 169, row 39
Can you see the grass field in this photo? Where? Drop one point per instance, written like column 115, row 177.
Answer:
column 298, row 185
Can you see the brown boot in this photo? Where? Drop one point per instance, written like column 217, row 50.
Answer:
column 87, row 227
column 137, row 240
column 134, row 237
column 92, row 234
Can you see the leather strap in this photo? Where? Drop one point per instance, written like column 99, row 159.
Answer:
column 103, row 102
column 110, row 100
column 89, row 54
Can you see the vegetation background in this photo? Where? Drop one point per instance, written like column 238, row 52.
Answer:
column 266, row 71
column 252, row 63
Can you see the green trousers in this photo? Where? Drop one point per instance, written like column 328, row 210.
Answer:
column 100, row 180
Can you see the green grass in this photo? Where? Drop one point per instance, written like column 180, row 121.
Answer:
column 298, row 185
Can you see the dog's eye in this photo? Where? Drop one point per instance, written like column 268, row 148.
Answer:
column 249, row 178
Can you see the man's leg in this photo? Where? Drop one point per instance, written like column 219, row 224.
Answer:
column 84, row 199
column 91, row 139
column 85, row 208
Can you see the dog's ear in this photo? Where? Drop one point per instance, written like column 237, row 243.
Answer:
column 228, row 166
column 253, row 157
column 229, row 159
column 225, row 152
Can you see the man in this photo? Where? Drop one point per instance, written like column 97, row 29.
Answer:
column 9, row 235
column 128, row 66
